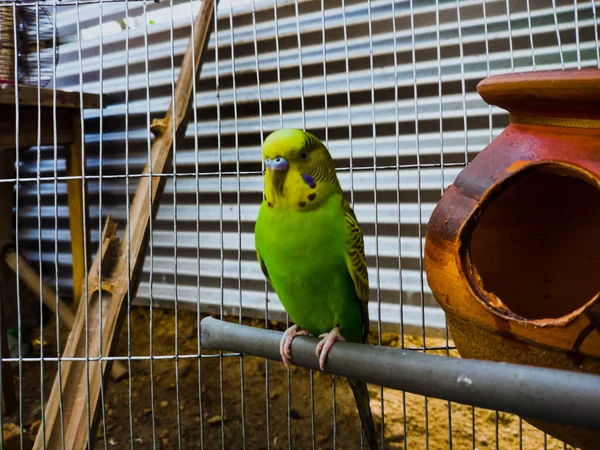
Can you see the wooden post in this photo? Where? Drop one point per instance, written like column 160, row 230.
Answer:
column 117, row 267
column 75, row 191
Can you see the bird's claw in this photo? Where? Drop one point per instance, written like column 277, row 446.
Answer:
column 325, row 344
column 286, row 343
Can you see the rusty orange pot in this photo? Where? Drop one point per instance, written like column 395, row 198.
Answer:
column 512, row 250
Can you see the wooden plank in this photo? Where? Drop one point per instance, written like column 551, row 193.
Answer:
column 117, row 270
column 51, row 299
column 32, row 280
column 75, row 190
column 74, row 374
column 28, row 95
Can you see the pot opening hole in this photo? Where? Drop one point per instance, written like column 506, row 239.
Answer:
column 536, row 245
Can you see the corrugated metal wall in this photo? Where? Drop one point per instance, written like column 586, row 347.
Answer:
column 428, row 120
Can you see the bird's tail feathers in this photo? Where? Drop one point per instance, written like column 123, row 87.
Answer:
column 361, row 395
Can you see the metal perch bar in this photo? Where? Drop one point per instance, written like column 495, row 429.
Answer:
column 557, row 396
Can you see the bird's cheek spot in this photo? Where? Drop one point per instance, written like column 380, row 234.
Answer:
column 302, row 204
column 312, row 197
column 269, row 204
column 309, row 180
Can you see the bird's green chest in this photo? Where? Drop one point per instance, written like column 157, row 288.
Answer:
column 304, row 252
column 301, row 244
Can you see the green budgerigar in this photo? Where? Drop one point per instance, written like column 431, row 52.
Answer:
column 310, row 248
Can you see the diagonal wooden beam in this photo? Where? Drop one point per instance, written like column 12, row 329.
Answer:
column 121, row 262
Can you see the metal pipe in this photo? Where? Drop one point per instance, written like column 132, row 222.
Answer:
column 558, row 396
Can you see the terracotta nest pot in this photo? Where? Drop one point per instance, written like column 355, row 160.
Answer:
column 512, row 250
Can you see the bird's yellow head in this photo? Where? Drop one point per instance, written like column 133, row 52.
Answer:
column 300, row 173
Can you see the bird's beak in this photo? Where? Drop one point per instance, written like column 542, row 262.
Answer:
column 276, row 172
column 278, row 164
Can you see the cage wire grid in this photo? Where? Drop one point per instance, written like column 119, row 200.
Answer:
column 321, row 66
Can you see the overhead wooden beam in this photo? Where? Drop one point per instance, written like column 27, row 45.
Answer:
column 122, row 264
column 28, row 95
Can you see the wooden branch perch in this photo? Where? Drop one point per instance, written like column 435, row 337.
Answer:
column 112, row 289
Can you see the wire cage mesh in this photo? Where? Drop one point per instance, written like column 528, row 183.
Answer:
column 389, row 86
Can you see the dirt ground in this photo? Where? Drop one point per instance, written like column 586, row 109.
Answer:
column 406, row 423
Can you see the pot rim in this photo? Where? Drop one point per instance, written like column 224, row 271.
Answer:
column 572, row 93
column 489, row 300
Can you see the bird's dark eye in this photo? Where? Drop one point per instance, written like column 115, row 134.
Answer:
column 304, row 155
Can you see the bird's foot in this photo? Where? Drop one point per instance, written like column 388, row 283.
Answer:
column 326, row 343
column 286, row 342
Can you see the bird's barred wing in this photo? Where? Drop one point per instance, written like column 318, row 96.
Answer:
column 356, row 262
